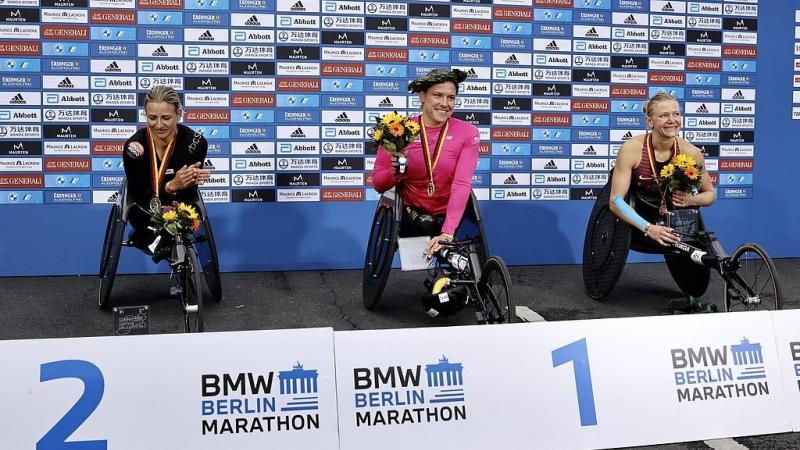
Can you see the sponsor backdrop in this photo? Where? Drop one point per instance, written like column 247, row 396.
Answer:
column 578, row 384
column 286, row 92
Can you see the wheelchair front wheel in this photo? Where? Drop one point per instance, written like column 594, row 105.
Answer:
column 495, row 288
column 109, row 256
column 753, row 281
column 191, row 288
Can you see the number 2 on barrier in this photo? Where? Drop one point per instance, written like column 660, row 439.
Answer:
column 93, row 387
column 577, row 353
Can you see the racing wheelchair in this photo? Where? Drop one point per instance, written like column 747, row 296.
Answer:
column 750, row 280
column 193, row 262
column 463, row 273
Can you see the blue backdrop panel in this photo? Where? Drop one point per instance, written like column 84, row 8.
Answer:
column 41, row 234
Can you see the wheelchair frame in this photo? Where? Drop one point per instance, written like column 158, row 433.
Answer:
column 608, row 239
column 186, row 264
column 383, row 239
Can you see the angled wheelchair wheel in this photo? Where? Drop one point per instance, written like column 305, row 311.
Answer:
column 753, row 281
column 206, row 249
column 380, row 251
column 605, row 248
column 495, row 288
column 191, row 292
column 692, row 279
column 109, row 256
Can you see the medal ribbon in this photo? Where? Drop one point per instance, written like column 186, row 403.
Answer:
column 432, row 160
column 156, row 171
column 651, row 156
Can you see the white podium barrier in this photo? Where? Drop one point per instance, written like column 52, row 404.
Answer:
column 246, row 390
column 565, row 385
column 578, row 384
column 787, row 337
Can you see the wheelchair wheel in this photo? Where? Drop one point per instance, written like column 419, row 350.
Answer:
column 207, row 255
column 109, row 256
column 605, row 248
column 495, row 288
column 754, row 281
column 191, row 293
column 380, row 252
column 692, row 279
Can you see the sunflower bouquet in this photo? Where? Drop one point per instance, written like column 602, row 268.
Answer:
column 394, row 131
column 683, row 173
column 175, row 218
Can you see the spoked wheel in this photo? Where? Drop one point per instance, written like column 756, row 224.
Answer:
column 109, row 256
column 380, row 252
column 207, row 255
column 753, row 281
column 495, row 288
column 191, row 292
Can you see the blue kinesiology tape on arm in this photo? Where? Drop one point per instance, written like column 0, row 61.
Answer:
column 626, row 210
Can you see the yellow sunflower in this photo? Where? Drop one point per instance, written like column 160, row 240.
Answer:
column 169, row 216
column 679, row 160
column 412, row 126
column 668, row 170
column 188, row 209
column 377, row 136
column 391, row 118
column 690, row 161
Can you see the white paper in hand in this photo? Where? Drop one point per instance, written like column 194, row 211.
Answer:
column 412, row 253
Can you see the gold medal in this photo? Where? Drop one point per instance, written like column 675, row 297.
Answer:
column 432, row 160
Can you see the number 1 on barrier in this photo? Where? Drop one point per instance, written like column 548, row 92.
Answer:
column 577, row 353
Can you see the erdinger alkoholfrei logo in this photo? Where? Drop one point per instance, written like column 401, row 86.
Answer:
column 396, row 395
column 247, row 402
column 707, row 373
